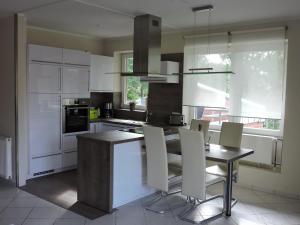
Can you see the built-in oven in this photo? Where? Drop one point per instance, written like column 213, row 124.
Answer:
column 76, row 115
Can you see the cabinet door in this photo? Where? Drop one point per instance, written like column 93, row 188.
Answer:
column 75, row 80
column 69, row 159
column 44, row 124
column 93, row 128
column 100, row 81
column 69, row 143
column 44, row 54
column 44, row 78
column 42, row 164
column 76, row 57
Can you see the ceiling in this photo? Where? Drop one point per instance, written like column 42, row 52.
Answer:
column 114, row 18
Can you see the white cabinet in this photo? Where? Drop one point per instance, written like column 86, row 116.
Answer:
column 75, row 80
column 69, row 159
column 129, row 162
column 69, row 142
column 44, row 124
column 99, row 80
column 42, row 165
column 44, row 78
column 168, row 67
column 76, row 57
column 44, row 54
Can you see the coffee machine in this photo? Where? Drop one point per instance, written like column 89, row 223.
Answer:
column 108, row 109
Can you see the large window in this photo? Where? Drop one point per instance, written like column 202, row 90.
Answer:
column 254, row 95
column 133, row 89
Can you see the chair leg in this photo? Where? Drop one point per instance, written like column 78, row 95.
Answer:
column 163, row 195
column 194, row 204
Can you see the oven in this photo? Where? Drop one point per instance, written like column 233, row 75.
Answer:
column 76, row 115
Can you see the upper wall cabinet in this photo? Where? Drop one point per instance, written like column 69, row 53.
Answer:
column 75, row 80
column 168, row 67
column 40, row 53
column 76, row 57
column 99, row 80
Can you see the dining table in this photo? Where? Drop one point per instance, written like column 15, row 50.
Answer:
column 218, row 153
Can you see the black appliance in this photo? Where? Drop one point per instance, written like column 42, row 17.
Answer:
column 176, row 119
column 108, row 109
column 76, row 115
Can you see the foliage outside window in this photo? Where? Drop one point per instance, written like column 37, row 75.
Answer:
column 133, row 89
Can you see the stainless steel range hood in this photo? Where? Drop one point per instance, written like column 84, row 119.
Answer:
column 147, row 49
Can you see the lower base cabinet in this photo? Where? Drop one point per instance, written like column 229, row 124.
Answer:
column 69, row 159
column 44, row 165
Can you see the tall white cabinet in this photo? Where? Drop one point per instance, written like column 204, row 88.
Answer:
column 53, row 73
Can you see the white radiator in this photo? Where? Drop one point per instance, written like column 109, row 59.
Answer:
column 267, row 150
column 5, row 158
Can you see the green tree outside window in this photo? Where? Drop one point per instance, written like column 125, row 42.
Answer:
column 136, row 91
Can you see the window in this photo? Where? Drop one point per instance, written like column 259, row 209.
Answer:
column 254, row 95
column 133, row 89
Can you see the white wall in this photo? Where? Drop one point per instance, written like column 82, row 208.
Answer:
column 21, row 89
column 286, row 182
column 8, row 81
column 64, row 40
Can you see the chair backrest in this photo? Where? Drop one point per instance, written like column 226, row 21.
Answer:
column 200, row 125
column 157, row 161
column 193, row 163
column 231, row 134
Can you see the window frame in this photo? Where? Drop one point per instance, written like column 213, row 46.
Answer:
column 246, row 130
column 124, row 104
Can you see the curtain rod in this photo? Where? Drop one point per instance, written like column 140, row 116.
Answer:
column 236, row 32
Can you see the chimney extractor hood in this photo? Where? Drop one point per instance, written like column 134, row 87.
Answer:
column 147, row 49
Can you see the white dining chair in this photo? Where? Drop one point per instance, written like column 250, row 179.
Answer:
column 159, row 175
column 230, row 136
column 196, row 125
column 194, row 178
column 201, row 125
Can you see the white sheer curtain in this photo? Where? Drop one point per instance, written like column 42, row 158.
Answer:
column 257, row 58
column 205, row 90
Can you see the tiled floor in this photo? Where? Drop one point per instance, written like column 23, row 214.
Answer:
column 254, row 208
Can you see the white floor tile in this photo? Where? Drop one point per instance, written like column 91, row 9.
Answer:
column 67, row 214
column 275, row 219
column 154, row 219
column 69, row 222
column 19, row 213
column 104, row 220
column 39, row 222
column 244, row 219
column 8, row 193
column 4, row 202
column 293, row 218
column 11, row 221
column 253, row 208
column 46, row 213
column 24, row 202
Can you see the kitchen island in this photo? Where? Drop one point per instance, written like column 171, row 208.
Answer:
column 112, row 168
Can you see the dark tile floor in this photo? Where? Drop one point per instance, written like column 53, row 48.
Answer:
column 61, row 190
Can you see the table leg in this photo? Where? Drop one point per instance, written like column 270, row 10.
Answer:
column 228, row 194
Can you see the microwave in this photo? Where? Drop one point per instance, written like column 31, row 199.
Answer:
column 176, row 119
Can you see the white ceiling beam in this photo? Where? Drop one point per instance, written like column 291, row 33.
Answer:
column 41, row 6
